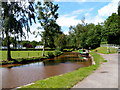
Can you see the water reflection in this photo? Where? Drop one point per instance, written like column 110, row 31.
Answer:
column 24, row 74
column 37, row 64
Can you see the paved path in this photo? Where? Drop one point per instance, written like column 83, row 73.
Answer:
column 106, row 76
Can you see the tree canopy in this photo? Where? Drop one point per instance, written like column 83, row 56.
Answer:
column 47, row 15
column 15, row 17
column 91, row 35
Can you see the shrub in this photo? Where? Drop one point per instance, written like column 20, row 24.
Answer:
column 57, row 52
column 50, row 54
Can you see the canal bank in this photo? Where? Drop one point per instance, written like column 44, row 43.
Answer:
column 68, row 80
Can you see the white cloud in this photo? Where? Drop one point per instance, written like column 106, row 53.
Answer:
column 68, row 21
column 104, row 12
column 87, row 14
column 70, row 0
column 74, row 13
column 31, row 36
column 66, row 32
column 108, row 9
column 77, row 12
column 95, row 20
column 82, row 0
column 71, row 18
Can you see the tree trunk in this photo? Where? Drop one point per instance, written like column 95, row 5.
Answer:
column 8, row 48
column 43, row 51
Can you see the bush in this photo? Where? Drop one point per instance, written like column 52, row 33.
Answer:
column 57, row 52
column 50, row 54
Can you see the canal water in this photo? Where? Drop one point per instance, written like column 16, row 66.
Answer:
column 25, row 74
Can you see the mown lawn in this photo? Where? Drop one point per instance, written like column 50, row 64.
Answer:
column 104, row 50
column 68, row 80
column 23, row 54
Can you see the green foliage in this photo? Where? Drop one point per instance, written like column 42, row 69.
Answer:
column 60, row 42
column 91, row 35
column 12, row 41
column 33, row 43
column 57, row 52
column 47, row 16
column 85, row 36
column 50, row 54
column 15, row 16
column 111, row 29
column 104, row 50
column 119, row 14
column 105, row 61
column 68, row 80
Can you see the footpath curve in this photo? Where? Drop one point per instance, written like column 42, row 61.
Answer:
column 106, row 76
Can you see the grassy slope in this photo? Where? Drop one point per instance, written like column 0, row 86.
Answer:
column 104, row 50
column 23, row 54
column 68, row 80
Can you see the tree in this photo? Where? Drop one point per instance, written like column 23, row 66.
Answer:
column 60, row 42
column 34, row 43
column 112, row 30
column 12, row 41
column 47, row 19
column 85, row 36
column 94, row 36
column 119, row 15
column 16, row 16
column 119, row 8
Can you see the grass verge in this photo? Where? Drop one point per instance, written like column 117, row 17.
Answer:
column 26, row 56
column 104, row 50
column 23, row 54
column 68, row 80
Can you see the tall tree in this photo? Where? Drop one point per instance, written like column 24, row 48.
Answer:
column 112, row 30
column 119, row 15
column 85, row 36
column 16, row 16
column 47, row 19
column 60, row 42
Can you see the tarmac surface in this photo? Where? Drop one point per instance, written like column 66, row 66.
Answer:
column 106, row 76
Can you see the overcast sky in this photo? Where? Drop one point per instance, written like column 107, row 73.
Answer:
column 72, row 11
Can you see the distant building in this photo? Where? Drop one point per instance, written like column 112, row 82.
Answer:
column 19, row 46
column 39, row 47
column 11, row 45
column 3, row 47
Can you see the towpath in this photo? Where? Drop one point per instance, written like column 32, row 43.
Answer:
column 106, row 76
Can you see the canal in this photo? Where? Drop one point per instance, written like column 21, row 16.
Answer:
column 24, row 74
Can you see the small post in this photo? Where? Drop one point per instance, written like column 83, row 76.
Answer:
column 108, row 49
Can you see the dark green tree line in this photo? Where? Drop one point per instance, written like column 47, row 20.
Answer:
column 91, row 35
column 112, row 30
